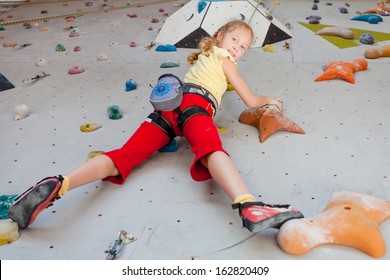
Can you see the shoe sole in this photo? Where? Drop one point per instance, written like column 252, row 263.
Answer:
column 272, row 222
column 27, row 207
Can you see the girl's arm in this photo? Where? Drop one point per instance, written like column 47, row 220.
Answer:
column 250, row 99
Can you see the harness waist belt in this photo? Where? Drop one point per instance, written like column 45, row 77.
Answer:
column 193, row 88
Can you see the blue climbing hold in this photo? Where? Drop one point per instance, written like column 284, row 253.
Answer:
column 171, row 147
column 166, row 48
column 201, row 6
column 130, row 85
column 314, row 19
column 370, row 18
column 366, row 38
column 343, row 10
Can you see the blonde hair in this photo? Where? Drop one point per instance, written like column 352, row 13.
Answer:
column 207, row 43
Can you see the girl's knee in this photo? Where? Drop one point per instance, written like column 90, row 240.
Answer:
column 204, row 160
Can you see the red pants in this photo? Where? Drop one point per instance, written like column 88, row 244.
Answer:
column 200, row 131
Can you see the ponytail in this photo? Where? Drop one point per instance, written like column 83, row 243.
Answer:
column 205, row 48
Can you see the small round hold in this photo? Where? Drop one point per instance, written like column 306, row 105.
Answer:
column 133, row 44
column 76, row 70
column 60, row 48
column 131, row 85
column 366, row 38
column 41, row 62
column 21, row 112
column 102, row 57
column 74, row 33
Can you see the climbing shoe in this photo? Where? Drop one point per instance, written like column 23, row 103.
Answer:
column 29, row 204
column 257, row 216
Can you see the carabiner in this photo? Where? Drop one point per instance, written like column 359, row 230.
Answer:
column 117, row 245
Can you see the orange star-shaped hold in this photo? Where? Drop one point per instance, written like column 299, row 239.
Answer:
column 350, row 219
column 342, row 70
column 268, row 119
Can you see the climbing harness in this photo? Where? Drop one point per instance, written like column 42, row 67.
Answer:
column 193, row 88
column 117, row 245
column 188, row 113
column 184, row 115
column 158, row 119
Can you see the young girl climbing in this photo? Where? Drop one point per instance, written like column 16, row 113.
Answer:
column 204, row 85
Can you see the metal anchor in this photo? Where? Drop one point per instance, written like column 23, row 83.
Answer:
column 117, row 245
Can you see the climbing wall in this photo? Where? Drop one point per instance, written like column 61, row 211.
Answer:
column 345, row 145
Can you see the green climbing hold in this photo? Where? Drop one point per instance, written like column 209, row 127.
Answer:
column 5, row 203
column 60, row 48
column 169, row 64
column 114, row 112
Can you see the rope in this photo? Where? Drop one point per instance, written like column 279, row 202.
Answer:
column 269, row 12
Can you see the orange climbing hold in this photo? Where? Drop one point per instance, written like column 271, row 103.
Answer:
column 342, row 70
column 268, row 119
column 350, row 219
column 9, row 44
column 70, row 19
column 372, row 52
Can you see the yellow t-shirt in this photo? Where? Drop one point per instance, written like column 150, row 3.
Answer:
column 207, row 72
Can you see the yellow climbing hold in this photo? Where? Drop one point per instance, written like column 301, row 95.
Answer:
column 269, row 48
column 222, row 129
column 9, row 231
column 93, row 154
column 89, row 127
column 230, row 87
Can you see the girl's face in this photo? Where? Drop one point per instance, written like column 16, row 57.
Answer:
column 236, row 41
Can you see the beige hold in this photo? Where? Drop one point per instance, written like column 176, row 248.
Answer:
column 9, row 44
column 344, row 33
column 102, row 56
column 9, row 231
column 41, row 62
column 21, row 112
column 372, row 53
